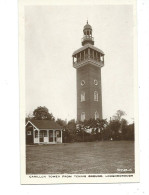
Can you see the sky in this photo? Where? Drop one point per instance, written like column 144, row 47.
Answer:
column 53, row 33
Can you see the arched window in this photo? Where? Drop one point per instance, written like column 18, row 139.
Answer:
column 82, row 116
column 82, row 96
column 96, row 115
column 95, row 96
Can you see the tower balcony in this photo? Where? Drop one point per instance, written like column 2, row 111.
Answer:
column 89, row 59
column 87, row 39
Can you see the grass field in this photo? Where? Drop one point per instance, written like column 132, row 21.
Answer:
column 81, row 158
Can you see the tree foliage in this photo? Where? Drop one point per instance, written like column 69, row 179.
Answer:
column 28, row 117
column 118, row 115
column 61, row 122
column 42, row 113
column 89, row 130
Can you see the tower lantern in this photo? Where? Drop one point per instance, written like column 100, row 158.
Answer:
column 88, row 61
column 87, row 38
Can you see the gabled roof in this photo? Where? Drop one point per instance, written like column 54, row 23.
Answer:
column 45, row 124
column 87, row 46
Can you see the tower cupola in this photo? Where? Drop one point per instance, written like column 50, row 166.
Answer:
column 87, row 37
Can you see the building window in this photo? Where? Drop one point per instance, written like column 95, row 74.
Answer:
column 45, row 134
column 82, row 82
column 82, row 96
column 29, row 133
column 95, row 96
column 58, row 133
column 96, row 115
column 50, row 136
column 95, row 82
column 41, row 134
column 82, row 116
column 101, row 58
column 36, row 134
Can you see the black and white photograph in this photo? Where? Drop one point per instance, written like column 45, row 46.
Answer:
column 78, row 92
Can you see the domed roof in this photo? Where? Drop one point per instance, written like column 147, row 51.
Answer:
column 87, row 26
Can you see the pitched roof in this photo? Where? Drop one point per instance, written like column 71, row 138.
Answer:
column 85, row 47
column 45, row 124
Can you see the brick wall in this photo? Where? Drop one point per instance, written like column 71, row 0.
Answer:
column 89, row 73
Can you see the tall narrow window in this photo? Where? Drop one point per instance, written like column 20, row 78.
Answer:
column 101, row 58
column 96, row 115
column 95, row 96
column 82, row 116
column 36, row 134
column 82, row 96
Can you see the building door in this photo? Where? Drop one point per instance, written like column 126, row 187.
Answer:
column 50, row 136
column 58, row 136
column 29, row 134
column 41, row 136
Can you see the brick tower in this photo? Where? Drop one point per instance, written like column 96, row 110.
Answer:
column 88, row 61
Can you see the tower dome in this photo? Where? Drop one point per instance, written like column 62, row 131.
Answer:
column 87, row 37
column 87, row 26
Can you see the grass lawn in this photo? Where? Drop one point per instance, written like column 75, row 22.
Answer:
column 78, row 158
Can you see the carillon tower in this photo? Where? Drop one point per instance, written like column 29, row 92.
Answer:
column 88, row 61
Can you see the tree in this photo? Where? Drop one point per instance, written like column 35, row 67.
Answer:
column 102, row 129
column 28, row 117
column 69, row 130
column 61, row 122
column 42, row 113
column 124, row 125
column 129, row 132
column 118, row 115
column 118, row 125
column 71, row 126
column 114, row 127
column 96, row 127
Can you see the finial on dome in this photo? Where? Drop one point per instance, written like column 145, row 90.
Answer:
column 87, row 21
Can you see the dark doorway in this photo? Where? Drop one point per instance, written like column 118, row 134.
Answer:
column 41, row 136
column 50, row 136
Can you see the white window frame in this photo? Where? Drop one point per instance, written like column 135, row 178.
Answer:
column 29, row 133
column 96, row 115
column 36, row 134
column 101, row 58
column 82, row 116
column 82, row 82
column 82, row 96
column 95, row 82
column 96, row 96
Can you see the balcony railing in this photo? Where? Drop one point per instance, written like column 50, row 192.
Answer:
column 88, row 59
column 87, row 38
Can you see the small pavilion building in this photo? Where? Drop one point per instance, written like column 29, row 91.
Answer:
column 43, row 131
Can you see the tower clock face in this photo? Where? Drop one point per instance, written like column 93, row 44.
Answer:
column 95, row 82
column 82, row 82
